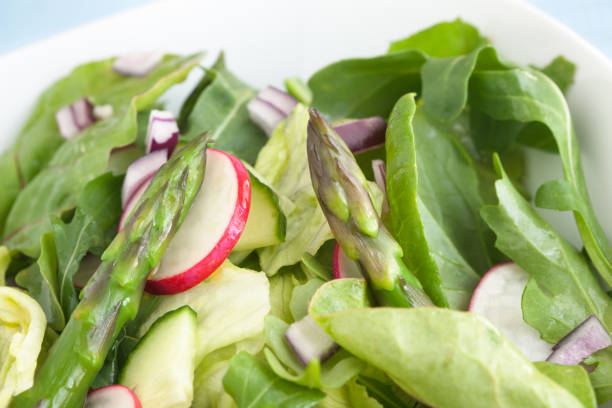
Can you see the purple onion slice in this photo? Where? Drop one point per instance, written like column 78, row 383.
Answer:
column 65, row 122
column 309, row 341
column 363, row 134
column 137, row 64
column 139, row 171
column 162, row 133
column 587, row 338
column 265, row 115
column 279, row 99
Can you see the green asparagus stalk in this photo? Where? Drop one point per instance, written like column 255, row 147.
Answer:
column 113, row 295
column 345, row 198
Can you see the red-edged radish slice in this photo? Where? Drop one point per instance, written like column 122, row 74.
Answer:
column 162, row 133
column 344, row 267
column 137, row 63
column 587, row 338
column 309, row 341
column 112, row 396
column 139, row 171
column 133, row 200
column 498, row 298
column 210, row 230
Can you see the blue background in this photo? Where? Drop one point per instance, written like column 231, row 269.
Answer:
column 26, row 21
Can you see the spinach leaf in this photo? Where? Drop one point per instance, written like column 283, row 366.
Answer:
column 54, row 190
column 254, row 385
column 563, row 291
column 333, row 373
column 362, row 87
column 40, row 279
column 600, row 378
column 573, row 378
column 442, row 40
column 530, row 96
column 434, row 201
column 561, row 71
column 221, row 109
column 284, row 164
column 437, row 354
column 92, row 228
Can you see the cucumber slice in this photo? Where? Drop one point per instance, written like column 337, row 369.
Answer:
column 161, row 366
column 266, row 224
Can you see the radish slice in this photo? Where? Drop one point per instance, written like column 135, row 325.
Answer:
column 112, row 396
column 363, row 134
column 344, row 267
column 587, row 338
column 137, row 63
column 133, row 200
column 309, row 341
column 139, row 171
column 162, row 133
column 265, row 115
column 211, row 228
column 279, row 99
column 498, row 298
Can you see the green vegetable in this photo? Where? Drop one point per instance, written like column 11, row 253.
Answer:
column 221, row 109
column 561, row 71
column 299, row 89
column 527, row 96
column 92, row 228
column 437, row 354
column 283, row 162
column 5, row 260
column 281, row 291
column 573, row 378
column 352, row 395
column 54, row 189
column 344, row 196
column 434, row 207
column 300, row 298
column 22, row 327
column 40, row 279
column 254, row 385
column 112, row 296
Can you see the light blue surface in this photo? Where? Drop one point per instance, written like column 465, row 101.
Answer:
column 26, row 21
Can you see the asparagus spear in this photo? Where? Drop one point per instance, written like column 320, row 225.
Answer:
column 113, row 295
column 344, row 196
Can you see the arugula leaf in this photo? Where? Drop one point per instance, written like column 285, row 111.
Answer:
column 221, row 109
column 362, row 87
column 442, row 40
column 563, row 291
column 434, row 208
column 436, row 354
column 530, row 96
column 5, row 260
column 254, row 385
column 284, row 163
column 54, row 190
column 573, row 378
column 40, row 279
column 92, row 228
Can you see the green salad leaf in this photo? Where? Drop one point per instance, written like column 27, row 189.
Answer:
column 352, row 395
column 92, row 228
column 284, row 163
column 434, row 207
column 281, row 292
column 252, row 384
column 561, row 71
column 54, row 189
column 221, row 109
column 5, row 260
column 40, row 280
column 300, row 298
column 573, row 378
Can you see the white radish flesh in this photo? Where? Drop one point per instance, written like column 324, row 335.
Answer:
column 112, row 396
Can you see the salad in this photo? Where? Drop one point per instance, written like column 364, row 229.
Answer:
column 361, row 239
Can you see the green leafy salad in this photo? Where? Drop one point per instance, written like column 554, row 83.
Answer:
column 360, row 239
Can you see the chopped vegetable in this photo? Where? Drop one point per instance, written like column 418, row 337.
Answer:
column 309, row 341
column 587, row 338
column 162, row 132
column 137, row 64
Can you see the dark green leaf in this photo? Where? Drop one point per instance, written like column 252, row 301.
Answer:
column 573, row 378
column 92, row 228
column 40, row 279
column 221, row 109
column 561, row 71
column 252, row 384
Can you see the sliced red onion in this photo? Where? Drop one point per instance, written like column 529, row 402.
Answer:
column 343, row 266
column 279, row 99
column 137, row 64
column 133, row 200
column 73, row 118
column 82, row 111
column 102, row 112
column 139, row 171
column 363, row 134
column 65, row 121
column 265, row 115
column 587, row 338
column 309, row 341
column 162, row 133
